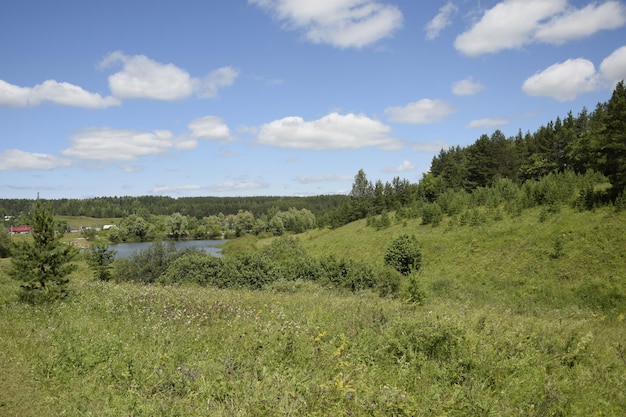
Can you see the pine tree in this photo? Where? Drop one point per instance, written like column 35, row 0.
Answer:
column 43, row 264
column 612, row 150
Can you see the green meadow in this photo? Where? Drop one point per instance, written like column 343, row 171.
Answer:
column 522, row 316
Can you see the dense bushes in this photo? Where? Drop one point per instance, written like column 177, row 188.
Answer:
column 282, row 261
column 582, row 191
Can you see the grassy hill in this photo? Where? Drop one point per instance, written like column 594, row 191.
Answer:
column 535, row 260
column 524, row 316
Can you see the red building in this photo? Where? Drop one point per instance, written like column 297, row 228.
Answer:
column 20, row 230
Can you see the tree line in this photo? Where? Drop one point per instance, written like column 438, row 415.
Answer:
column 566, row 161
column 589, row 141
column 105, row 207
column 274, row 222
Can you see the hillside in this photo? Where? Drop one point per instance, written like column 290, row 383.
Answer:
column 534, row 260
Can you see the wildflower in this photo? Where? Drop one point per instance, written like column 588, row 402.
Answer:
column 319, row 336
column 339, row 350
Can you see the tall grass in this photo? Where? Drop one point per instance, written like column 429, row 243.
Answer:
column 514, row 324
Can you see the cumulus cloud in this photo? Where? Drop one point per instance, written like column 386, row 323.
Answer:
column 442, row 20
column 613, row 67
column 563, row 81
column 106, row 144
column 142, row 77
column 467, row 87
column 581, row 23
column 333, row 131
column 512, row 24
column 342, row 23
column 420, row 112
column 487, row 122
column 52, row 91
column 209, row 128
column 14, row 159
column 403, row 167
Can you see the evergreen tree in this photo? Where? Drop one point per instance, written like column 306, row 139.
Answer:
column 43, row 264
column 361, row 197
column 5, row 242
column 612, row 149
column 100, row 258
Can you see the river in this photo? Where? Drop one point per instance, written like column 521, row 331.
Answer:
column 125, row 250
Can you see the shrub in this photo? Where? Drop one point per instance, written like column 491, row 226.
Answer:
column 417, row 341
column 146, row 266
column 404, row 254
column 432, row 214
column 247, row 270
column 100, row 258
column 200, row 268
column 413, row 292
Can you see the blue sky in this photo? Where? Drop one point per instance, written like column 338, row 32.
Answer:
column 281, row 97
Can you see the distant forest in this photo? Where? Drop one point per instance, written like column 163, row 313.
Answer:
column 102, row 207
column 590, row 146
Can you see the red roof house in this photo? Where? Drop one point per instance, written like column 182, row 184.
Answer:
column 20, row 229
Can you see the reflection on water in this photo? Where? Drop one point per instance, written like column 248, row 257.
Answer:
column 125, row 250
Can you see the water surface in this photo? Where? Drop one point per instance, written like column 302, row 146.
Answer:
column 125, row 250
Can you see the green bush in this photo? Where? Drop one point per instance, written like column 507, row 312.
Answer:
column 432, row 214
column 404, row 254
column 247, row 270
column 100, row 258
column 199, row 268
column 413, row 291
column 147, row 265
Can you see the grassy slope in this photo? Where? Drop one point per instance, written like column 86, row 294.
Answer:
column 511, row 261
column 507, row 330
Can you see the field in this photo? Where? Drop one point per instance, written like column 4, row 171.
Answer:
column 524, row 316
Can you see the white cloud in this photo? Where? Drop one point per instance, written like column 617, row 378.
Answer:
column 209, row 128
column 204, row 128
column 420, row 112
column 14, row 159
column 208, row 86
column 403, row 167
column 575, row 24
column 142, row 77
column 340, row 23
column 512, row 24
column 487, row 122
column 333, row 131
column 106, row 144
column 467, row 87
column 442, row 20
column 306, row 179
column 563, row 81
column 613, row 67
column 54, row 92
